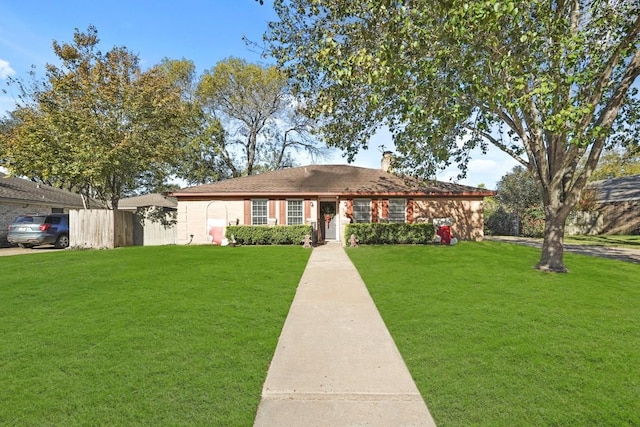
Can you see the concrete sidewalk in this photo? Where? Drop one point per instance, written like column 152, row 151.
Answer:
column 336, row 363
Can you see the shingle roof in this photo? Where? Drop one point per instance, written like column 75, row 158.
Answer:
column 329, row 180
column 621, row 189
column 22, row 190
column 154, row 199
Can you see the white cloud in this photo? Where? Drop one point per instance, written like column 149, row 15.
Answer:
column 484, row 169
column 5, row 69
column 482, row 165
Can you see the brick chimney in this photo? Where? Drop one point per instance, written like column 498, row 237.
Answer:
column 387, row 159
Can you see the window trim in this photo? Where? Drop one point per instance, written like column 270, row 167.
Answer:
column 300, row 217
column 266, row 211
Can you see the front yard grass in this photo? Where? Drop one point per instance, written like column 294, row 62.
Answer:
column 141, row 336
column 491, row 341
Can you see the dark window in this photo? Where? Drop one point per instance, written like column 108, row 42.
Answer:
column 397, row 209
column 362, row 210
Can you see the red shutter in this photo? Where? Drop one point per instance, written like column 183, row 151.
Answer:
column 283, row 212
column 247, row 212
column 350, row 208
column 410, row 211
column 271, row 210
column 385, row 208
column 374, row 210
column 307, row 211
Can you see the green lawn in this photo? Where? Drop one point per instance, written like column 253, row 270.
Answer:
column 184, row 335
column 141, row 336
column 491, row 341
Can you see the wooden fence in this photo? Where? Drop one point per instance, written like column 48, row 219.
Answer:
column 100, row 228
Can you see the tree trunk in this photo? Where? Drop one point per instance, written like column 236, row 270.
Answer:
column 552, row 257
column 251, row 151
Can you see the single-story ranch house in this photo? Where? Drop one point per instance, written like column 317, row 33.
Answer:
column 326, row 197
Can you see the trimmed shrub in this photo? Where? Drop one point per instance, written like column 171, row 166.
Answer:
column 390, row 233
column 499, row 223
column 264, row 235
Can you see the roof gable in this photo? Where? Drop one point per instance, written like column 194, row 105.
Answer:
column 146, row 200
column 335, row 180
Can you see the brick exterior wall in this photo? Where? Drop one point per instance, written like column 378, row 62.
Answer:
column 467, row 215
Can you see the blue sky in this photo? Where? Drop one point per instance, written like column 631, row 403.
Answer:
column 204, row 32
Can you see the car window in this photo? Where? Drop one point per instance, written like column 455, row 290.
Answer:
column 29, row 220
column 52, row 220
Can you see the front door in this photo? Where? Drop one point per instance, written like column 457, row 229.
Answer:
column 329, row 220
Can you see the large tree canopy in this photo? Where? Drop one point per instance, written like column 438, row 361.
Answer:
column 616, row 162
column 98, row 123
column 200, row 160
column 518, row 193
column 517, row 190
column 547, row 82
column 262, row 125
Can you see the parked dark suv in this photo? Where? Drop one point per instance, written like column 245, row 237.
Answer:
column 32, row 230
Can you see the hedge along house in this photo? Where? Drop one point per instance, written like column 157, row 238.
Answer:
column 327, row 197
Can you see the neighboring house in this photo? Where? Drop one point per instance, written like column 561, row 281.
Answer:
column 20, row 196
column 615, row 207
column 156, row 218
column 326, row 197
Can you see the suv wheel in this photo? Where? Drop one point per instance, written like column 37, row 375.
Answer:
column 62, row 241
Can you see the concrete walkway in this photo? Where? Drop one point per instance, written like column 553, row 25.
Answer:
column 336, row 363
